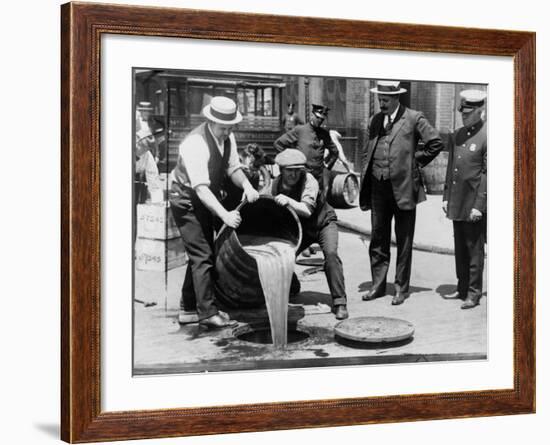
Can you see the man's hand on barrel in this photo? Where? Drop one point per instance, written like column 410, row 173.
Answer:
column 282, row 200
column 232, row 219
column 251, row 194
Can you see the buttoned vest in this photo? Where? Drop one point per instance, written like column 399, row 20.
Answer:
column 381, row 156
column 181, row 192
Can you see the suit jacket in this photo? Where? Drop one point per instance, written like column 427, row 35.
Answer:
column 405, row 157
column 466, row 180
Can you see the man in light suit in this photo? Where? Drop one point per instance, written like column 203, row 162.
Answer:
column 391, row 184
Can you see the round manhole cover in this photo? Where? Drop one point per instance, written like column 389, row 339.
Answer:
column 374, row 329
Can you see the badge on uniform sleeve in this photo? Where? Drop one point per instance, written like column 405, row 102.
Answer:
column 473, row 147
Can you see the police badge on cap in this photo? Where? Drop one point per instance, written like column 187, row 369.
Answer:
column 320, row 110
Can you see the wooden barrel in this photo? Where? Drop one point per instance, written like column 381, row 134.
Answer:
column 238, row 283
column 434, row 173
column 343, row 190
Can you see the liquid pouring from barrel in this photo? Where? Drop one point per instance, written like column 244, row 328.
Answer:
column 272, row 234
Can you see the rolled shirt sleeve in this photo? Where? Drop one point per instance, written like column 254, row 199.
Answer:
column 195, row 156
column 310, row 192
column 234, row 163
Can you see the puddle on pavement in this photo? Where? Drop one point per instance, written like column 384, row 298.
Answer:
column 320, row 352
column 255, row 341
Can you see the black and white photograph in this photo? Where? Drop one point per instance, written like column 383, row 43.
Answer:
column 293, row 221
column 271, row 222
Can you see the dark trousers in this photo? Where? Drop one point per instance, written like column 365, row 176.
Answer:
column 469, row 240
column 327, row 237
column 197, row 233
column 384, row 208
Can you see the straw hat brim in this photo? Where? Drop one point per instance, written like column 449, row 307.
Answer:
column 294, row 166
column 389, row 93
column 208, row 114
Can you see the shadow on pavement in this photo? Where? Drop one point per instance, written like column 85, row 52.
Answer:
column 390, row 288
column 445, row 289
column 365, row 345
column 311, row 298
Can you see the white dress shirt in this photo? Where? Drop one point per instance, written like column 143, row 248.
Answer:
column 392, row 116
column 195, row 155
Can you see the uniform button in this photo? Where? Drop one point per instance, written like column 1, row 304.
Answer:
column 454, row 182
column 459, row 157
column 464, row 145
column 456, row 169
column 468, row 133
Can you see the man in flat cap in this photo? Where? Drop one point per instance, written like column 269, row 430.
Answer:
column 391, row 185
column 312, row 140
column 297, row 189
column 206, row 156
column 465, row 197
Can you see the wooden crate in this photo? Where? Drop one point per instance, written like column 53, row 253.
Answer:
column 159, row 255
column 155, row 221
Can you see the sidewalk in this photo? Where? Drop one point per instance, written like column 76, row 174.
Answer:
column 433, row 231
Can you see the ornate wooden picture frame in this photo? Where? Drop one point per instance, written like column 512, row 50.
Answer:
column 82, row 27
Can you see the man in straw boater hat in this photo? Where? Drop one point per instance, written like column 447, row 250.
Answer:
column 391, row 184
column 297, row 189
column 206, row 156
column 465, row 197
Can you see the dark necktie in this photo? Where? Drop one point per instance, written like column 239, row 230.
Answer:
column 389, row 125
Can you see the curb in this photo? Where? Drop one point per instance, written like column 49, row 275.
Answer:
column 416, row 246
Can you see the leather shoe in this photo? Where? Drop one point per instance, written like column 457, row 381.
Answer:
column 216, row 321
column 372, row 295
column 399, row 298
column 456, row 295
column 224, row 315
column 469, row 303
column 341, row 312
column 187, row 317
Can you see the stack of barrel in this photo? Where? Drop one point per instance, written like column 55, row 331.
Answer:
column 158, row 245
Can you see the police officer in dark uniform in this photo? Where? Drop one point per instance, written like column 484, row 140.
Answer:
column 297, row 189
column 312, row 140
column 465, row 197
